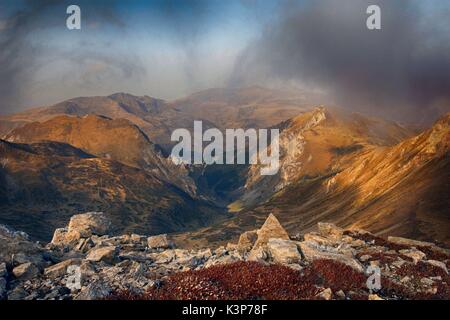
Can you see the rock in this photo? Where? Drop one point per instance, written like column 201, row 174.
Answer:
column 270, row 229
column 312, row 252
column 14, row 251
column 59, row 236
column 230, row 246
column 9, row 233
column 283, row 251
column 17, row 294
column 326, row 294
column 409, row 242
column 258, row 254
column 26, row 271
column 438, row 264
column 375, row 297
column 427, row 281
column 158, row 242
column 314, row 237
column 94, row 291
column 329, row 230
column 60, row 269
column 135, row 238
column 247, row 241
column 105, row 254
column 3, row 284
column 414, row 254
column 88, row 224
column 364, row 258
column 416, row 243
column 341, row 294
column 405, row 279
column 3, row 270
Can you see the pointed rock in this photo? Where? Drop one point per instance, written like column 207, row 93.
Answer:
column 247, row 241
column 270, row 229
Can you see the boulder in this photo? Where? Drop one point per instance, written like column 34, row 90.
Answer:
column 59, row 236
column 329, row 230
column 270, row 229
column 88, row 224
column 105, row 254
column 60, row 269
column 416, row 243
column 26, row 271
column 158, row 242
column 258, row 254
column 247, row 241
column 283, row 251
column 312, row 252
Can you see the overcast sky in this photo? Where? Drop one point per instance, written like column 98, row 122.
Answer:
column 170, row 48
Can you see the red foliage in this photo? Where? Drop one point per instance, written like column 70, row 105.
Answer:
column 337, row 276
column 236, row 281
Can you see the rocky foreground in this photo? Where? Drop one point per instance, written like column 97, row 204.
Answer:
column 83, row 263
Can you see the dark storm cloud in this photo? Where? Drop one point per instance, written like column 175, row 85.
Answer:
column 24, row 47
column 402, row 70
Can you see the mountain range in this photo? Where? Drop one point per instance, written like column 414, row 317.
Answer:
column 111, row 154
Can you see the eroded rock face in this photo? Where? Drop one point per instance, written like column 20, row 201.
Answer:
column 270, row 229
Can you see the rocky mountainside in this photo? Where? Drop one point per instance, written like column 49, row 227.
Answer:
column 43, row 184
column 82, row 262
column 106, row 138
column 222, row 108
column 333, row 170
column 336, row 166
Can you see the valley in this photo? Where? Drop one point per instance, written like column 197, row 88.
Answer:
column 111, row 154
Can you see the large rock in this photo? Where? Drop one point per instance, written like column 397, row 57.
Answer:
column 312, row 252
column 270, row 229
column 158, row 242
column 105, row 254
column 416, row 243
column 283, row 251
column 329, row 230
column 247, row 241
column 16, row 249
column 81, row 226
column 88, row 224
column 26, row 271
column 60, row 269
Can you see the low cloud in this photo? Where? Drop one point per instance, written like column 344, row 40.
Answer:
column 401, row 71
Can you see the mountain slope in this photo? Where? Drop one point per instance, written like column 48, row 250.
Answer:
column 117, row 139
column 390, row 190
column 44, row 184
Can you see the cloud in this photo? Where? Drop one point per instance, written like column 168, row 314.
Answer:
column 402, row 71
column 33, row 39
